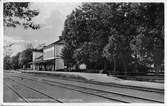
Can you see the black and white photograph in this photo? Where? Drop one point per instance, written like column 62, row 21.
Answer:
column 83, row 52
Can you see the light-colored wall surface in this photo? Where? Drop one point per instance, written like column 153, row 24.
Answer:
column 48, row 53
column 59, row 64
column 36, row 55
column 53, row 52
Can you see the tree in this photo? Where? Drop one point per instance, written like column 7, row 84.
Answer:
column 15, row 61
column 19, row 13
column 126, row 34
column 67, row 55
column 142, row 32
column 89, row 54
column 149, row 41
column 7, row 62
column 83, row 27
column 25, row 57
column 110, row 52
column 20, row 60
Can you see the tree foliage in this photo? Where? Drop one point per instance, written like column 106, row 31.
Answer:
column 15, row 61
column 125, row 34
column 19, row 13
column 7, row 62
column 67, row 55
column 25, row 57
column 20, row 60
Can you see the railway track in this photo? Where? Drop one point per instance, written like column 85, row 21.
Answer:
column 32, row 89
column 124, row 98
column 120, row 96
column 140, row 89
column 22, row 98
column 115, row 100
column 113, row 85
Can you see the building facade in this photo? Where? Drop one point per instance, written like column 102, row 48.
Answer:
column 49, row 58
column 36, row 56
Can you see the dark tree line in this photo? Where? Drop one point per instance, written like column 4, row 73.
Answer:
column 120, row 37
column 20, row 60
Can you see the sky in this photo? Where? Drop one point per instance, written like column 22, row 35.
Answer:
column 51, row 19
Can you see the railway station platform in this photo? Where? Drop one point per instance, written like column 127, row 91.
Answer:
column 101, row 78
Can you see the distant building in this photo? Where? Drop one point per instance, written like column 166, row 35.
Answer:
column 49, row 57
column 37, row 56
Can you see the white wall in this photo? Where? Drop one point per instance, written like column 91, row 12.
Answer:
column 48, row 53
column 36, row 55
column 59, row 64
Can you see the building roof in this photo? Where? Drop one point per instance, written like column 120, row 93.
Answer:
column 59, row 42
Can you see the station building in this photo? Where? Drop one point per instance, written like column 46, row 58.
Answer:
column 49, row 57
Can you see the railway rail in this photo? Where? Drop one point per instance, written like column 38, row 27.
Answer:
column 22, row 98
column 113, row 85
column 34, row 90
column 124, row 98
column 119, row 101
